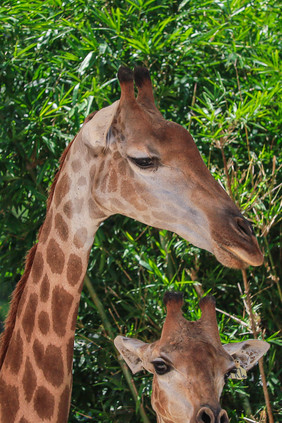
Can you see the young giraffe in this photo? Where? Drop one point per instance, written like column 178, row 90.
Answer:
column 189, row 364
column 126, row 159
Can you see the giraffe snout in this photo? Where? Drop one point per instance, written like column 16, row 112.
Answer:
column 207, row 415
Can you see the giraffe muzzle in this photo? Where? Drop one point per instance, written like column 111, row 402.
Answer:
column 207, row 415
column 234, row 242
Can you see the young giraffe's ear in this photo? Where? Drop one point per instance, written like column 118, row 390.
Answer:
column 208, row 317
column 131, row 351
column 247, row 352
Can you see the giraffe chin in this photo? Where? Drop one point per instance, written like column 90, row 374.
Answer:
column 229, row 258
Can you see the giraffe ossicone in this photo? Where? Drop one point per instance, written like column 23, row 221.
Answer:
column 189, row 364
column 126, row 159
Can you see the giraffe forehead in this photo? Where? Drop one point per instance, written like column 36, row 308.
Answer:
column 192, row 358
column 183, row 331
column 184, row 339
column 200, row 348
column 167, row 140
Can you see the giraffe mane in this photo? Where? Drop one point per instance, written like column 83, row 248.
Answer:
column 5, row 337
column 16, row 297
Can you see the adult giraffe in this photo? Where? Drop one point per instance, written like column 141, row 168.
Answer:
column 189, row 363
column 126, row 159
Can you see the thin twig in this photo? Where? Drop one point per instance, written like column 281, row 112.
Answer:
column 255, row 334
column 232, row 317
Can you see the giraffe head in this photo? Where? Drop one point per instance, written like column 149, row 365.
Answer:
column 189, row 364
column 150, row 169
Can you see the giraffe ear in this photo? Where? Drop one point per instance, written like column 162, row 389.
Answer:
column 145, row 90
column 96, row 132
column 132, row 351
column 125, row 77
column 247, row 352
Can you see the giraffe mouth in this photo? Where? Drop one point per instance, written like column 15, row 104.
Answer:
column 236, row 258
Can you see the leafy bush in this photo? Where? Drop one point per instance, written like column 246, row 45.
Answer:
column 215, row 70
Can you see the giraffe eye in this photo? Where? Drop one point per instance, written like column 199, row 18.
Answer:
column 161, row 367
column 145, row 162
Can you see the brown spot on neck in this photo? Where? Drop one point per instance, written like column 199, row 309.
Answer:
column 29, row 315
column 74, row 317
column 46, row 227
column 70, row 354
column 9, row 395
column 29, row 381
column 53, row 366
column 64, row 405
column 74, row 269
column 62, row 161
column 22, row 303
column 62, row 188
column 44, row 403
column 61, row 227
column 82, row 181
column 38, row 351
column 43, row 322
column 68, row 209
column 76, row 165
column 80, row 237
column 44, row 289
column 37, row 267
column 55, row 257
column 15, row 353
column 61, row 304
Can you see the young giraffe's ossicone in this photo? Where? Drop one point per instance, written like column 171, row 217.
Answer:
column 126, row 159
column 189, row 363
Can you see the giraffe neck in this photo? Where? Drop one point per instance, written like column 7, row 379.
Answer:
column 36, row 374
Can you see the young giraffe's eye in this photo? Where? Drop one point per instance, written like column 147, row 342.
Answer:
column 145, row 162
column 161, row 367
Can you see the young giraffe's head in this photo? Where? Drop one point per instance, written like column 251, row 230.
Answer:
column 150, row 169
column 189, row 364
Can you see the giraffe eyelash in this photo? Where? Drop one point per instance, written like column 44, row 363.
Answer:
column 145, row 162
column 161, row 367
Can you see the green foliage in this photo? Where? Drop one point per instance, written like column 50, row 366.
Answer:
column 215, row 68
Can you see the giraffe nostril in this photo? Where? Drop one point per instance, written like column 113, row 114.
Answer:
column 244, row 226
column 205, row 415
column 205, row 418
column 223, row 417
